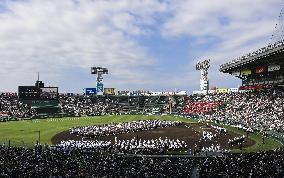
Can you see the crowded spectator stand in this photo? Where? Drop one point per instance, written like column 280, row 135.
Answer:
column 46, row 161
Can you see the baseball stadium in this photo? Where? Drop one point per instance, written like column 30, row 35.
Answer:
column 107, row 132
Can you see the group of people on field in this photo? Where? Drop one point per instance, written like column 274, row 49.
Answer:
column 124, row 146
column 120, row 128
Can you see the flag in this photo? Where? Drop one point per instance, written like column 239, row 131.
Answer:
column 236, row 73
column 245, row 72
column 260, row 70
column 273, row 68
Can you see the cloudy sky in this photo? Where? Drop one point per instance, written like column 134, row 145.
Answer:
column 145, row 44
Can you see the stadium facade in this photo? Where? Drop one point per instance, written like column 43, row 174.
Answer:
column 260, row 69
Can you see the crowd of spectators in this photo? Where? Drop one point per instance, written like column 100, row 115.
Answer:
column 79, row 105
column 261, row 110
column 12, row 108
column 51, row 162
column 120, row 128
column 261, row 164
column 257, row 110
column 83, row 105
column 200, row 107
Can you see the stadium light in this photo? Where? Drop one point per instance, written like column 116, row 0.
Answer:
column 38, row 131
column 99, row 71
column 204, row 67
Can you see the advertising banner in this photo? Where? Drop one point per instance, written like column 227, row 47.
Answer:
column 245, row 72
column 236, row 73
column 43, row 103
column 273, row 68
column 100, row 87
column 233, row 89
column 135, row 93
column 109, row 91
column 123, row 93
column 196, row 92
column 222, row 90
column 260, row 69
column 90, row 91
column 49, row 93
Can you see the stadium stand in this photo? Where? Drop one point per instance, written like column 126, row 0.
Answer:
column 258, row 110
column 12, row 109
column 46, row 161
column 256, row 106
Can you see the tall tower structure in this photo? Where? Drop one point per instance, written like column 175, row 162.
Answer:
column 203, row 67
column 99, row 71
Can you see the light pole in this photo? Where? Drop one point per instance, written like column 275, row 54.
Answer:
column 38, row 136
column 99, row 71
column 23, row 143
column 204, row 80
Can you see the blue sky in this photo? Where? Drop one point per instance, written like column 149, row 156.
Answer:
column 146, row 44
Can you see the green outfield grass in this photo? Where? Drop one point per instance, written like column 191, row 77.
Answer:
column 25, row 133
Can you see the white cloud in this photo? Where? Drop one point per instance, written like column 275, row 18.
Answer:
column 52, row 36
column 238, row 27
column 58, row 36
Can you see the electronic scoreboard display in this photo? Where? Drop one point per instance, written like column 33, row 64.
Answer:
column 44, row 100
column 36, row 93
column 29, row 92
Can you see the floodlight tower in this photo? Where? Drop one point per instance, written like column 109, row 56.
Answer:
column 99, row 71
column 170, row 104
column 204, row 67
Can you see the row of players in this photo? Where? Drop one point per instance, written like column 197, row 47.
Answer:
column 120, row 128
column 132, row 146
column 135, row 145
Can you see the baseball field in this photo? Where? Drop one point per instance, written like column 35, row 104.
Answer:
column 28, row 132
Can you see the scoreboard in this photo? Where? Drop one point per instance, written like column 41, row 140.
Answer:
column 45, row 100
column 29, row 92
column 49, row 93
column 36, row 93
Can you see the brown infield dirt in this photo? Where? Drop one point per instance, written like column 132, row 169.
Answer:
column 188, row 132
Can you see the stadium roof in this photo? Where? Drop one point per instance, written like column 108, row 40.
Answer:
column 265, row 57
